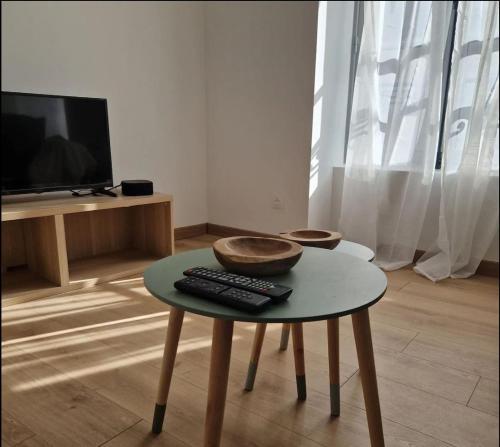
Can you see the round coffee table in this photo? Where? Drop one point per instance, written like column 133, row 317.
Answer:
column 326, row 285
column 347, row 247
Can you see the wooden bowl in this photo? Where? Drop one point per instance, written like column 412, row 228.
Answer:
column 313, row 238
column 257, row 256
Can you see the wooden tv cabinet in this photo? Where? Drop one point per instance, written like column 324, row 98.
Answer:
column 50, row 246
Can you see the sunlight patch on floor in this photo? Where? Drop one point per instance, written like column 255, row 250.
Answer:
column 121, row 361
column 138, row 289
column 81, row 339
column 53, row 302
column 270, row 327
column 85, row 328
column 93, row 308
column 127, row 280
column 104, row 297
column 19, row 365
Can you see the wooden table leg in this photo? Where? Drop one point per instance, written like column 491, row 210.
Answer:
column 364, row 348
column 333, row 364
column 298, row 353
column 217, row 385
column 254, row 359
column 167, row 366
column 285, row 335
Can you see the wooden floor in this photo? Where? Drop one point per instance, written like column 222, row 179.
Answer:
column 81, row 369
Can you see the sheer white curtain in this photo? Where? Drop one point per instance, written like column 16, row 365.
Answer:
column 394, row 127
column 468, row 217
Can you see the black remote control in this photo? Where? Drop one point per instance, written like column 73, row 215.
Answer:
column 230, row 296
column 274, row 291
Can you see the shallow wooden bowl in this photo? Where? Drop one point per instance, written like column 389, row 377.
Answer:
column 313, row 238
column 257, row 256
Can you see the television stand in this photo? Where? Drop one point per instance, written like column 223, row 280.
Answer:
column 63, row 243
column 96, row 192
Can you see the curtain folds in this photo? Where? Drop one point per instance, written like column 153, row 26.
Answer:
column 469, row 206
column 394, row 127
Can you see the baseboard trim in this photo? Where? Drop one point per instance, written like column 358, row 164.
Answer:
column 190, row 231
column 485, row 268
column 223, row 231
column 488, row 268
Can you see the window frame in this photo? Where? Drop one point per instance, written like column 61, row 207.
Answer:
column 357, row 32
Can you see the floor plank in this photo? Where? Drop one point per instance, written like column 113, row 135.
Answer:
column 419, row 373
column 485, row 397
column 351, row 430
column 455, row 355
column 65, row 413
column 186, row 414
column 440, row 418
column 393, row 311
column 13, row 432
column 432, row 377
column 35, row 441
column 454, row 314
column 140, row 435
column 475, row 284
column 482, row 299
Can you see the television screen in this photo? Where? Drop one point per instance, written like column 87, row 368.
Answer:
column 52, row 143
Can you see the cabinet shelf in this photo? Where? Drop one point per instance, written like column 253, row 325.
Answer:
column 109, row 266
column 20, row 284
column 61, row 244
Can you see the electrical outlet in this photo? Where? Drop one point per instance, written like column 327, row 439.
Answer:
column 277, row 203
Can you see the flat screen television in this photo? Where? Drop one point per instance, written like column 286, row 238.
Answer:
column 54, row 143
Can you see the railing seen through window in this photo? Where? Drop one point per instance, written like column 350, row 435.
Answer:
column 390, row 62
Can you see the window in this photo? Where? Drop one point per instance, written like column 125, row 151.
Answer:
column 446, row 79
column 467, row 77
column 388, row 71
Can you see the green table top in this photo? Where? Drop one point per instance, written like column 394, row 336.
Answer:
column 355, row 249
column 325, row 283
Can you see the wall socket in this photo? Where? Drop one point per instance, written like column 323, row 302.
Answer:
column 277, row 203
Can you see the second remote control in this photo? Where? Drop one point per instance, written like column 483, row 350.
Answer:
column 274, row 291
column 230, row 296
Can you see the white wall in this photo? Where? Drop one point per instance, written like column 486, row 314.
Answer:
column 260, row 84
column 147, row 59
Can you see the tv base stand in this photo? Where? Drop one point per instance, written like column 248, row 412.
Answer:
column 96, row 192
column 104, row 192
column 55, row 245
